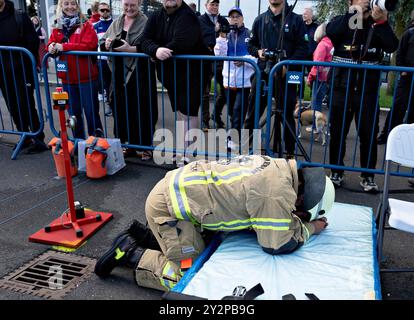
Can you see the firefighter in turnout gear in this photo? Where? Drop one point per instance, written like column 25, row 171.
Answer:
column 284, row 205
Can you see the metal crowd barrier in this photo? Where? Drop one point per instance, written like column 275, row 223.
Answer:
column 136, row 103
column 19, row 85
column 307, row 150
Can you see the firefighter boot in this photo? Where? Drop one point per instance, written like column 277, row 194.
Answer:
column 143, row 236
column 120, row 254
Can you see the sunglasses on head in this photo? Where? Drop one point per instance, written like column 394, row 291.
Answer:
column 104, row 10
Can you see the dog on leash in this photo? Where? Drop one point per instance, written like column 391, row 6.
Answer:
column 307, row 117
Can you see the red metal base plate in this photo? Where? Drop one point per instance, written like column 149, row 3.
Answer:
column 67, row 237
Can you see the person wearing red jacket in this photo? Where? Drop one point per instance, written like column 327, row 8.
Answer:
column 73, row 33
column 318, row 76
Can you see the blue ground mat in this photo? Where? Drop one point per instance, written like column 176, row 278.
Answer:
column 337, row 264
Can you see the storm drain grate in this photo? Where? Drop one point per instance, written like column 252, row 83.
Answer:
column 51, row 275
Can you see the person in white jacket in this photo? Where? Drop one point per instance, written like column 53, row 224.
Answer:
column 236, row 74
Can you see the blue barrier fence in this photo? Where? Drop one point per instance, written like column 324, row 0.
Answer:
column 183, row 78
column 346, row 102
column 20, row 90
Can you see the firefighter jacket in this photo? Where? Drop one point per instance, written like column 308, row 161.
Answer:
column 247, row 192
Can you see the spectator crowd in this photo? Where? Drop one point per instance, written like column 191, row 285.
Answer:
column 126, row 84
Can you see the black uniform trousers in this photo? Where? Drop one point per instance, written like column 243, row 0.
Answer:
column 18, row 91
column 366, row 116
column 402, row 104
column 284, row 117
column 213, row 70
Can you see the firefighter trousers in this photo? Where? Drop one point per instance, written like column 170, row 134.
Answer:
column 179, row 240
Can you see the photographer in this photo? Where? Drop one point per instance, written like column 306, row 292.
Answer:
column 271, row 45
column 236, row 74
column 359, row 101
column 210, row 22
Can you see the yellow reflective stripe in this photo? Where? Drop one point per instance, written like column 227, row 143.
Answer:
column 257, row 223
column 255, row 226
column 218, row 182
column 179, row 201
column 174, row 201
column 271, row 220
column 169, row 272
column 214, row 177
column 119, row 253
column 185, row 200
column 167, row 284
column 307, row 232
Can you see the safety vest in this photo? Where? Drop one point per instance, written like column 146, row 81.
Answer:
column 58, row 157
column 95, row 157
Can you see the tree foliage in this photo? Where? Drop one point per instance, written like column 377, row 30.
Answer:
column 399, row 19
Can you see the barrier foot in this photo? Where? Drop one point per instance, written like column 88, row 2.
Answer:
column 19, row 145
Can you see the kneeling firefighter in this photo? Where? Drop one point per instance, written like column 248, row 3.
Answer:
column 282, row 204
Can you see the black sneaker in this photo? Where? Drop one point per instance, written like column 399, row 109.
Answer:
column 37, row 146
column 122, row 248
column 99, row 133
column 368, row 185
column 26, row 144
column 337, row 179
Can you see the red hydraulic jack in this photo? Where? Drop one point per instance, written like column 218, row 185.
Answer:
column 66, row 231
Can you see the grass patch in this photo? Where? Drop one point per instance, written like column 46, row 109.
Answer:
column 385, row 100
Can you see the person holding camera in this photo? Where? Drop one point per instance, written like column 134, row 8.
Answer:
column 355, row 91
column 74, row 33
column 236, row 74
column 211, row 22
column 134, row 93
column 278, row 34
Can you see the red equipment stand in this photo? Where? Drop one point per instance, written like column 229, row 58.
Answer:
column 66, row 230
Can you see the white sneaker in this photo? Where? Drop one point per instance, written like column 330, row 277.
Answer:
column 100, row 97
column 368, row 185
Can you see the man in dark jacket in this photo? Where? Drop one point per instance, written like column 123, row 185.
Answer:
column 175, row 30
column 17, row 79
column 211, row 21
column 266, row 36
column 357, row 46
column 405, row 58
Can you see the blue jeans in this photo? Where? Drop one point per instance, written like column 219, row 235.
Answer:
column 238, row 105
column 84, row 97
column 318, row 93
